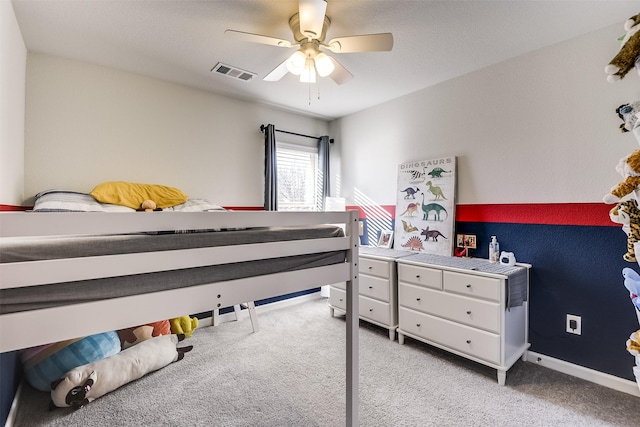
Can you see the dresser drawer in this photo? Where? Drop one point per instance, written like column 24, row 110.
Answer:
column 374, row 267
column 374, row 310
column 471, row 341
column 469, row 311
column 374, row 287
column 338, row 298
column 473, row 286
column 422, row 276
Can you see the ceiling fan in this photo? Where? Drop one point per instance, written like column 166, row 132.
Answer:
column 309, row 27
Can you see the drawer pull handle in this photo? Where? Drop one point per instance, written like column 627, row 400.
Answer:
column 417, row 299
column 469, row 312
column 418, row 325
column 417, row 276
column 468, row 341
column 340, row 299
column 370, row 287
column 370, row 268
column 371, row 309
column 468, row 285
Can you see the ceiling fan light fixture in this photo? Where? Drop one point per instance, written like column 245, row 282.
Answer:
column 296, row 63
column 324, row 64
column 311, row 14
column 308, row 74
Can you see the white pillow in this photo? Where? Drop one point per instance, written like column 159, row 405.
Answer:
column 72, row 201
column 196, row 205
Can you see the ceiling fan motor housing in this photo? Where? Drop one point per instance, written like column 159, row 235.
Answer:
column 294, row 24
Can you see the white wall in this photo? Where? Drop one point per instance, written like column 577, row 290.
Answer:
column 538, row 128
column 12, row 85
column 87, row 124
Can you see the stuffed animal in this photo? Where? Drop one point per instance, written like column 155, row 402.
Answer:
column 629, row 52
column 184, row 325
column 46, row 363
column 630, row 116
column 627, row 214
column 629, row 168
column 137, row 334
column 88, row 382
column 633, row 343
column 148, row 206
column 632, row 283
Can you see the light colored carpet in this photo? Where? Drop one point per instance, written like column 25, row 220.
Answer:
column 291, row 373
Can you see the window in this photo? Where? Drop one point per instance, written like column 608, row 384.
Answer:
column 298, row 178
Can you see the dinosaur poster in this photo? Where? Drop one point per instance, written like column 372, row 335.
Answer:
column 425, row 208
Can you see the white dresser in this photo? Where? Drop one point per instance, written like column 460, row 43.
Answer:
column 378, row 301
column 467, row 306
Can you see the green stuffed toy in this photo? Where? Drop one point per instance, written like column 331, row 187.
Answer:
column 184, row 325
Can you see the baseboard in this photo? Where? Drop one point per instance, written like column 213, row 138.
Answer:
column 597, row 377
column 11, row 418
column 231, row 317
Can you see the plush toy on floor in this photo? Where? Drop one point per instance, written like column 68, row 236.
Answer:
column 132, row 336
column 88, row 382
column 184, row 325
column 627, row 56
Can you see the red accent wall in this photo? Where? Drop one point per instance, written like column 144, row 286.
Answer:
column 4, row 208
column 590, row 214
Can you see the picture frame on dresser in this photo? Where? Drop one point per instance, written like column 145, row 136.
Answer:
column 386, row 239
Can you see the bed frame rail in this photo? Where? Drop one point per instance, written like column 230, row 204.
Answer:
column 55, row 324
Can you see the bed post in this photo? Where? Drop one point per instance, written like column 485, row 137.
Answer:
column 352, row 370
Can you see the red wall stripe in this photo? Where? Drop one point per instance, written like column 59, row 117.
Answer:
column 14, row 208
column 538, row 213
column 244, row 208
column 591, row 214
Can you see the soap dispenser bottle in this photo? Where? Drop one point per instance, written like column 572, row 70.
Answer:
column 494, row 249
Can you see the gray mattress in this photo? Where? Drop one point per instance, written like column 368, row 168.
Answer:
column 45, row 296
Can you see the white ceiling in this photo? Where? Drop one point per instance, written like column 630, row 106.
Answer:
column 182, row 40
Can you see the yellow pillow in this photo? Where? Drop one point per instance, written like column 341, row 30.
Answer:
column 132, row 195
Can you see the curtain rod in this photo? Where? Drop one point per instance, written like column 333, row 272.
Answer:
column 263, row 127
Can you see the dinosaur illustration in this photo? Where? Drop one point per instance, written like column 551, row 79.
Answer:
column 415, row 175
column 432, row 207
column 414, row 244
column 435, row 190
column 410, row 192
column 431, row 234
column 408, row 227
column 437, row 172
column 411, row 209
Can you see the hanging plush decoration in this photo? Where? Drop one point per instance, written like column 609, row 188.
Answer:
column 629, row 168
column 627, row 214
column 630, row 116
column 629, row 53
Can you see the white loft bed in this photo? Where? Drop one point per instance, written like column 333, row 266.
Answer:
column 29, row 328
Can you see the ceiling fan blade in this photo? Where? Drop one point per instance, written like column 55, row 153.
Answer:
column 340, row 74
column 365, row 43
column 311, row 13
column 279, row 72
column 257, row 38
